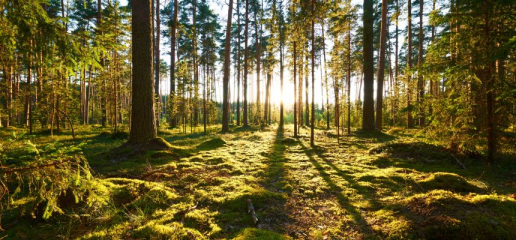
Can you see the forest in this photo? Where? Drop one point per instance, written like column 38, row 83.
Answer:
column 257, row 119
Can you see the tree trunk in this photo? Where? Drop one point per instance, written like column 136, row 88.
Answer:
column 266, row 111
column 246, row 61
column 143, row 126
column 282, row 120
column 491, row 97
column 156, row 64
column 227, row 64
column 300, row 91
column 238, row 66
column 409, row 65
column 295, row 87
column 368, row 111
column 396, row 65
column 195, row 67
column 326, row 81
column 173, row 66
column 307, row 106
column 420, row 83
column 312, row 131
column 381, row 67
column 349, row 79
column 258, row 61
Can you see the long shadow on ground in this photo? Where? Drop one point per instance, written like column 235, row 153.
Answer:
column 275, row 181
column 343, row 200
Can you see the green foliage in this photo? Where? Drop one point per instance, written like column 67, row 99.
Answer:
column 53, row 178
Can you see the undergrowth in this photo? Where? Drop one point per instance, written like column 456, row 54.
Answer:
column 373, row 186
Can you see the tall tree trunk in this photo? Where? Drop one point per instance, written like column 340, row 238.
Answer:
column 195, row 67
column 312, row 131
column 84, row 109
column 420, row 83
column 326, row 80
column 409, row 65
column 102, row 63
column 381, row 67
column 295, row 83
column 300, row 90
column 205, row 110
column 266, row 111
column 143, row 125
column 396, row 67
column 9, row 93
column 336, row 96
column 246, row 61
column 156, row 64
column 173, row 65
column 307, row 106
column 282, row 120
column 115, row 93
column 258, row 62
column 28, row 100
column 238, row 65
column 349, row 78
column 432, row 83
column 368, row 111
column 491, row 97
column 89, row 91
column 227, row 64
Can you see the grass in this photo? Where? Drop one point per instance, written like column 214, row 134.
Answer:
column 363, row 186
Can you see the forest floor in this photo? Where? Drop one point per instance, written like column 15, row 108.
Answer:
column 364, row 186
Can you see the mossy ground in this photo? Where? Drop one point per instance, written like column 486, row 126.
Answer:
column 363, row 186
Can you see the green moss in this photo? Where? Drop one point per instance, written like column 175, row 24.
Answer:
column 253, row 233
column 211, row 144
column 198, row 184
column 169, row 231
column 449, row 181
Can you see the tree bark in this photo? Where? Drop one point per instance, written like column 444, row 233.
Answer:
column 326, row 80
column 396, row 67
column 246, row 61
column 420, row 83
column 227, row 64
column 312, row 131
column 307, row 105
column 282, row 121
column 381, row 67
column 349, row 79
column 143, row 126
column 258, row 62
column 156, row 64
column 295, row 87
column 238, row 66
column 368, row 111
column 172, row 120
column 409, row 65
column 195, row 96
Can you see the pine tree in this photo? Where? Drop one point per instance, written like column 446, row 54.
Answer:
column 143, row 126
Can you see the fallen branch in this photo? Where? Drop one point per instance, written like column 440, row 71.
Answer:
column 459, row 162
column 29, row 168
column 250, row 209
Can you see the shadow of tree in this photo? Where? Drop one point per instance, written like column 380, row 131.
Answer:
column 275, row 180
column 343, row 200
column 439, row 214
column 375, row 135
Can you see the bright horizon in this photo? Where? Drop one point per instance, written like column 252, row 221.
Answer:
column 220, row 9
